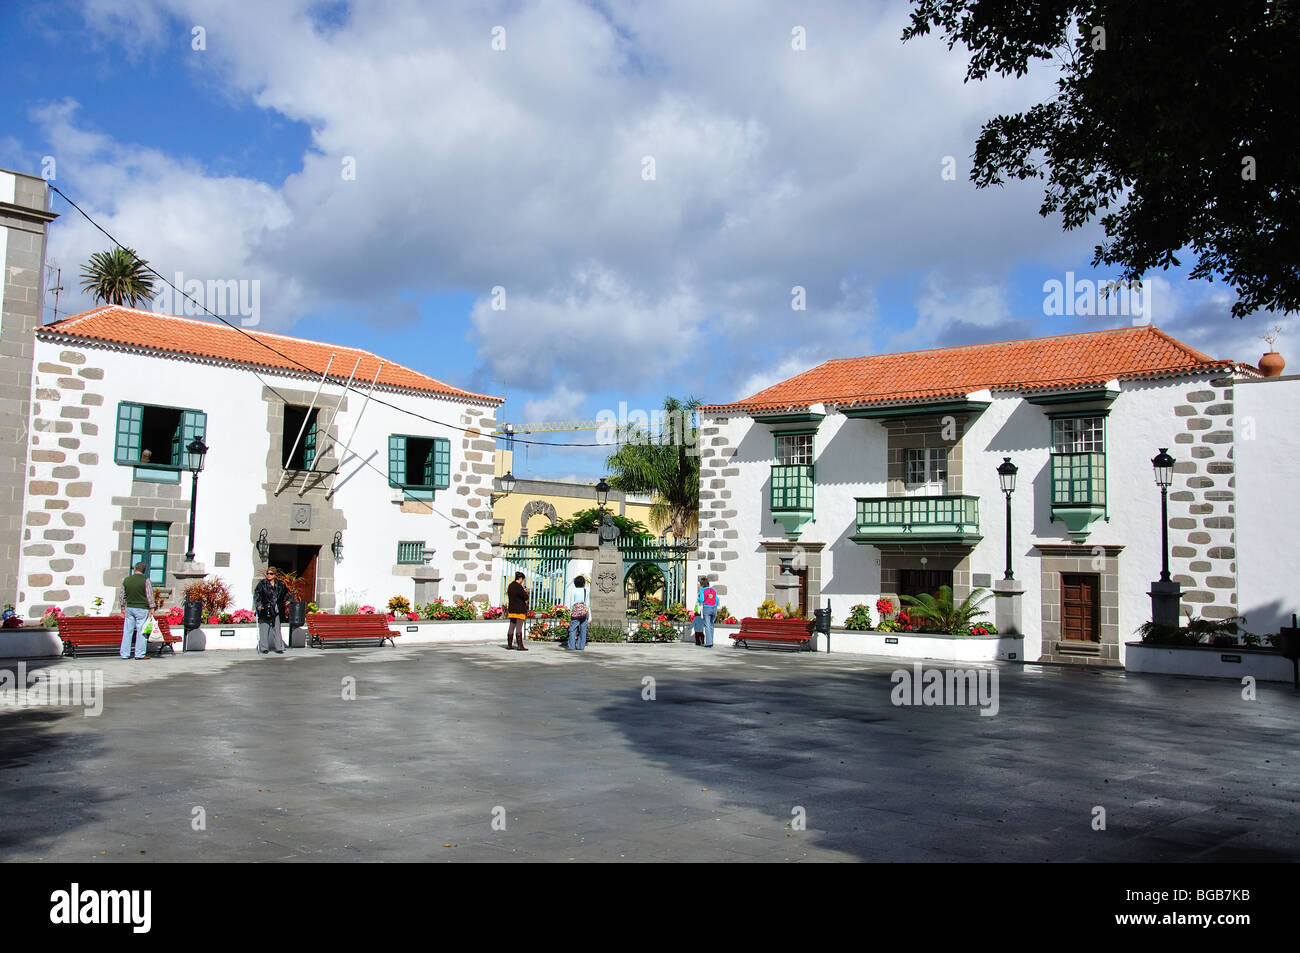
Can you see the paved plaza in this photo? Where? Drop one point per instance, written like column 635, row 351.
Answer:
column 740, row 756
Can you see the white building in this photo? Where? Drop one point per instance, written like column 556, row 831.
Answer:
column 297, row 465
column 879, row 476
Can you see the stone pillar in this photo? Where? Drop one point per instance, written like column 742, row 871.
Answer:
column 608, row 601
column 1007, row 606
column 1165, row 599
column 427, row 580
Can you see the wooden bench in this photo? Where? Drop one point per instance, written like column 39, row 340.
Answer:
column 781, row 631
column 105, row 632
column 322, row 628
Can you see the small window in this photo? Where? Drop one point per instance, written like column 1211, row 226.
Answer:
column 794, row 449
column 298, row 457
column 149, row 546
column 156, row 437
column 928, row 465
column 419, row 463
column 410, row 553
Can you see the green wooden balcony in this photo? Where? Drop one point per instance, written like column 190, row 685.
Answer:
column 791, row 497
column 902, row 520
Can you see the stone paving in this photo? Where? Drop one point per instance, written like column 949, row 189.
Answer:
column 441, row 739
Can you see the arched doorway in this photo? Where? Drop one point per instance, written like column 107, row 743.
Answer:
column 643, row 580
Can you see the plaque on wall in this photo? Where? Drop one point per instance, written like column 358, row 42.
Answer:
column 300, row 516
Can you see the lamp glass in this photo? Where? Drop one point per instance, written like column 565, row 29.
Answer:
column 197, row 448
column 1007, row 475
column 602, row 492
column 1163, row 465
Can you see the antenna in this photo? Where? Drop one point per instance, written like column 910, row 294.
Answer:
column 58, row 284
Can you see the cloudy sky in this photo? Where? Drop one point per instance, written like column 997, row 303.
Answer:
column 572, row 205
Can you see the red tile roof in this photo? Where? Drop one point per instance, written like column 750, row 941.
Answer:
column 211, row 341
column 1065, row 362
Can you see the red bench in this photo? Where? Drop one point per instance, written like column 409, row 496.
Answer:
column 105, row 632
column 781, row 631
column 322, row 628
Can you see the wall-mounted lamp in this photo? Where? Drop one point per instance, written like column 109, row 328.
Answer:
column 263, row 546
column 336, row 547
column 508, row 482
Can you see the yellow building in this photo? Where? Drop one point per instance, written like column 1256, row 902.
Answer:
column 533, row 504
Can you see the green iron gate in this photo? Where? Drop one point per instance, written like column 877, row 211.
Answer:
column 672, row 559
column 544, row 562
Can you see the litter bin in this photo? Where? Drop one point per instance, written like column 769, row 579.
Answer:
column 297, row 625
column 822, row 623
column 193, row 640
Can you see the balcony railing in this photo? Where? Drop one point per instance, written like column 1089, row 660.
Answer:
column 904, row 518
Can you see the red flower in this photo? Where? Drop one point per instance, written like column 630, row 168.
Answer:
column 214, row 621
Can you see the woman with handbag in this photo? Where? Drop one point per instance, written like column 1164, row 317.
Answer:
column 578, row 613
column 271, row 603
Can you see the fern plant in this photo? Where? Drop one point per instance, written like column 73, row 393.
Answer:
column 938, row 613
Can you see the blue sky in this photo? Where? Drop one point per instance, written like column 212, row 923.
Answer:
column 525, row 169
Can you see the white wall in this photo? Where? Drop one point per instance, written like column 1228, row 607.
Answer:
column 1268, row 504
column 232, row 484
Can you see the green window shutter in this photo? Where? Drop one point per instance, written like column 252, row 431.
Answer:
column 440, row 476
column 396, row 460
column 309, row 444
column 130, row 425
column 194, row 423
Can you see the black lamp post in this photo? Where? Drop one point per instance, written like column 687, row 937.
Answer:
column 1166, row 594
column 602, row 493
column 1164, row 467
column 197, row 450
column 1007, row 477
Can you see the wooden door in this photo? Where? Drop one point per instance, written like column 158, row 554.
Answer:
column 1080, row 607
column 306, row 588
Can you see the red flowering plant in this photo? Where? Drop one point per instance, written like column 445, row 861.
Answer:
column 366, row 610
column 412, row 616
column 494, row 612
column 659, row 629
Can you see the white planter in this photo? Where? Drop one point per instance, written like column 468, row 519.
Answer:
column 30, row 643
column 244, row 637
column 1205, row 661
column 913, row 645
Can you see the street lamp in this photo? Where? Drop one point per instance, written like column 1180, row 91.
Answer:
column 1007, row 478
column 602, row 493
column 1166, row 594
column 336, row 547
column 508, row 482
column 197, row 450
column 1164, row 467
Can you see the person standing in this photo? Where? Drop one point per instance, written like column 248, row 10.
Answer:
column 270, row 602
column 706, row 603
column 136, row 599
column 516, row 612
column 579, row 612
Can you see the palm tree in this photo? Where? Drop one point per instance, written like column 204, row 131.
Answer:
column 939, row 613
column 118, row 277
column 666, row 464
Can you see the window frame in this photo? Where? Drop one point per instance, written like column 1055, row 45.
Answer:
column 439, row 479
column 1082, row 469
column 803, row 490
column 144, row 555
column 418, row 547
column 193, row 423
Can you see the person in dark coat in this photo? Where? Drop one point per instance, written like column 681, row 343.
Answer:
column 271, row 603
column 516, row 612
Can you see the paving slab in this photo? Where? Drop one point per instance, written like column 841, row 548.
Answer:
column 390, row 754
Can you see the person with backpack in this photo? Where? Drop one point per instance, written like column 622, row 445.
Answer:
column 706, row 603
column 578, row 614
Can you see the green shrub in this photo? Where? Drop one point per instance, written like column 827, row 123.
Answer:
column 349, row 608
column 605, row 633
column 859, row 619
